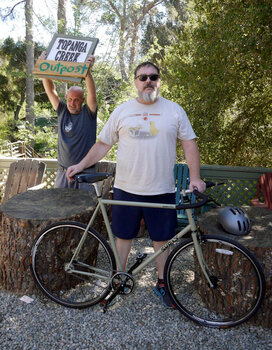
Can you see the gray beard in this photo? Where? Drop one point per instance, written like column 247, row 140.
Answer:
column 149, row 97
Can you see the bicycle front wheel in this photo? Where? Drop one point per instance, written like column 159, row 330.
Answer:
column 239, row 283
column 84, row 283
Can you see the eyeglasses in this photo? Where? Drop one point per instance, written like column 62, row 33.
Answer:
column 144, row 77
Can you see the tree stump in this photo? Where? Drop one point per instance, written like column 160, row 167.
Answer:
column 259, row 242
column 23, row 216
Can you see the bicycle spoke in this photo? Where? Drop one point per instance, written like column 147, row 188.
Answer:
column 237, row 278
column 83, row 283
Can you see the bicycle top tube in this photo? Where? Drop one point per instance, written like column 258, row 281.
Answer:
column 95, row 177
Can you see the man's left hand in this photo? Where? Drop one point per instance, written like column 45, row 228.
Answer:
column 90, row 60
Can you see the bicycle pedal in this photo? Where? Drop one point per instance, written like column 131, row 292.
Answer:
column 106, row 303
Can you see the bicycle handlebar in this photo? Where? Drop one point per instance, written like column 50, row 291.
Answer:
column 204, row 198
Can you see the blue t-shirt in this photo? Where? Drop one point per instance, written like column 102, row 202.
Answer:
column 76, row 134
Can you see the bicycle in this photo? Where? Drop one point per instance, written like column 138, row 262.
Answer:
column 212, row 280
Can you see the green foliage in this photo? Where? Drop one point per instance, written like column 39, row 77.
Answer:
column 43, row 140
column 219, row 70
column 215, row 58
column 13, row 75
column 6, row 121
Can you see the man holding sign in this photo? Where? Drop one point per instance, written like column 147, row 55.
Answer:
column 76, row 124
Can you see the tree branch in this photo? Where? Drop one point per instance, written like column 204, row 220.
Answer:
column 12, row 9
column 144, row 10
column 115, row 9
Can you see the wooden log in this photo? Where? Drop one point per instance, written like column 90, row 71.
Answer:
column 23, row 216
column 259, row 242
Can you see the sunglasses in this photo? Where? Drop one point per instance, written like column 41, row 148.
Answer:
column 144, row 77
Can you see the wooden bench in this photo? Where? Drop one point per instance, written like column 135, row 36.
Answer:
column 182, row 181
column 23, row 175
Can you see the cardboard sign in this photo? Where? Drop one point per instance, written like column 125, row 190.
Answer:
column 65, row 58
column 61, row 69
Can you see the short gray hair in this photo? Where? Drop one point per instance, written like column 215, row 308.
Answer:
column 147, row 63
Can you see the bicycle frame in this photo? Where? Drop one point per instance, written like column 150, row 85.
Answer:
column 101, row 206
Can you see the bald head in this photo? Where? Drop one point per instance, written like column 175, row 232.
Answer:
column 76, row 89
column 75, row 99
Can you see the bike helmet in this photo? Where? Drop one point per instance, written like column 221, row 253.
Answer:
column 234, row 220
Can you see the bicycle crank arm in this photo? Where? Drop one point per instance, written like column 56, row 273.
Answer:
column 107, row 302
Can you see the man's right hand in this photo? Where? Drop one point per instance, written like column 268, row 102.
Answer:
column 73, row 170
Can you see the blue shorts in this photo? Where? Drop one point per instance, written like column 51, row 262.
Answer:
column 161, row 223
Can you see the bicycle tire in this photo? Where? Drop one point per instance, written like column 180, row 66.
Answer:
column 239, row 277
column 53, row 249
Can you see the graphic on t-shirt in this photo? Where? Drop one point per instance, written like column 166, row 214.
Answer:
column 153, row 130
column 143, row 127
column 68, row 127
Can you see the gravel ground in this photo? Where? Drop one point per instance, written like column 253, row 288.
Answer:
column 136, row 321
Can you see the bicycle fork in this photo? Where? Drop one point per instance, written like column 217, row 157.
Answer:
column 197, row 244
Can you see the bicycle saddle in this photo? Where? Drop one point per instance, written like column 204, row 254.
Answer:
column 90, row 178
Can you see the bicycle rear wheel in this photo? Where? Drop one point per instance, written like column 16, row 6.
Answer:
column 89, row 280
column 237, row 275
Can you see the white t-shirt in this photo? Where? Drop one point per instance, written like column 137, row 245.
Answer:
column 147, row 137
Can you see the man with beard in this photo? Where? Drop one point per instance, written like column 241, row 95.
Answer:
column 146, row 129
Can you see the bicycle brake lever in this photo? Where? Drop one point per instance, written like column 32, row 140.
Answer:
column 209, row 184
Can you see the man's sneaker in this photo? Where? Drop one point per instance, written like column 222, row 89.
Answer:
column 159, row 290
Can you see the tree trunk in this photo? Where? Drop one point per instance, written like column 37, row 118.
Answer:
column 258, row 241
column 29, row 62
column 130, row 18
column 133, row 48
column 27, row 213
column 19, row 106
column 23, row 216
column 62, row 22
column 62, row 26
column 121, row 54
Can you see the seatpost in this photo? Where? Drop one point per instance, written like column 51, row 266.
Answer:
column 97, row 189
